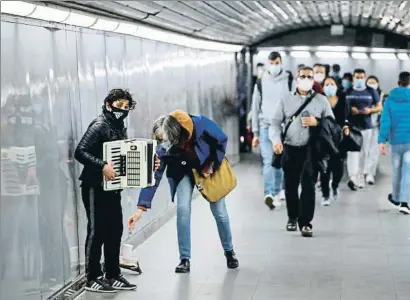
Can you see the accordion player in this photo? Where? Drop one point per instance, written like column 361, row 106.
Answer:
column 133, row 161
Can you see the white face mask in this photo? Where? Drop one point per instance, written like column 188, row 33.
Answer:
column 275, row 69
column 374, row 86
column 305, row 84
column 319, row 77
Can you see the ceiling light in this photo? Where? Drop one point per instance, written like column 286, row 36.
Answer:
column 291, row 9
column 49, row 14
column 333, row 48
column 300, row 48
column 80, row 20
column 19, row 8
column 388, row 50
column 300, row 54
column 402, row 5
column 360, row 49
column 127, row 28
column 282, row 53
column 383, row 56
column 403, row 56
column 280, row 11
column 332, row 54
column 105, row 25
column 359, row 55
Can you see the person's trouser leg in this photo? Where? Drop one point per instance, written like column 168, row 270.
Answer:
column 307, row 197
column 337, row 169
column 353, row 164
column 184, row 198
column 396, row 161
column 266, row 148
column 364, row 152
column 94, row 239
column 404, row 196
column 222, row 221
column 325, row 180
column 372, row 159
column 113, row 224
column 292, row 162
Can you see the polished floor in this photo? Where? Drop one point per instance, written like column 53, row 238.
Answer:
column 360, row 251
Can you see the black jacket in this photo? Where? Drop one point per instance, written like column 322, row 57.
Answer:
column 89, row 151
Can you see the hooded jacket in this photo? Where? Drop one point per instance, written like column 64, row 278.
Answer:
column 207, row 144
column 395, row 120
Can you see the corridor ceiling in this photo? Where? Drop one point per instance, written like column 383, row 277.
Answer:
column 249, row 22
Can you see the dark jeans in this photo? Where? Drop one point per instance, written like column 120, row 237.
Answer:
column 104, row 227
column 335, row 170
column 299, row 168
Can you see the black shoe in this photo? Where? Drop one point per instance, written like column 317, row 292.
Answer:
column 183, row 267
column 352, row 185
column 392, row 202
column 231, row 261
column 404, row 209
column 307, row 231
column 269, row 201
column 99, row 285
column 120, row 283
column 291, row 225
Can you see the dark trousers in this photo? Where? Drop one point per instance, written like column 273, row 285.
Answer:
column 335, row 170
column 104, row 228
column 298, row 168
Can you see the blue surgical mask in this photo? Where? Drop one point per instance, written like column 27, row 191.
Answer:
column 275, row 69
column 346, row 84
column 359, row 83
column 373, row 86
column 330, row 90
column 165, row 145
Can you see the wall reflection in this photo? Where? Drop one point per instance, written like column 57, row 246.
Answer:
column 52, row 85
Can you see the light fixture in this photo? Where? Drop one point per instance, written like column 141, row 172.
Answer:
column 300, row 48
column 332, row 54
column 332, row 48
column 383, row 56
column 18, row 8
column 127, row 28
column 360, row 49
column 403, row 56
column 282, row 53
column 388, row 50
column 402, row 5
column 359, row 55
column 300, row 54
column 279, row 10
column 49, row 14
column 81, row 20
column 105, row 25
column 291, row 9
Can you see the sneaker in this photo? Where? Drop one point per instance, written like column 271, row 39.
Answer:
column 282, row 195
column 99, row 285
column 335, row 194
column 270, row 201
column 352, row 185
column 276, row 201
column 404, row 209
column 360, row 181
column 307, row 231
column 291, row 225
column 231, row 260
column 370, row 179
column 395, row 204
column 183, row 267
column 326, row 202
column 120, row 283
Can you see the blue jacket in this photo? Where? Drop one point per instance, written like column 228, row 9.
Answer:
column 209, row 139
column 395, row 121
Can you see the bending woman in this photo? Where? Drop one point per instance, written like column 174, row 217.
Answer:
column 186, row 143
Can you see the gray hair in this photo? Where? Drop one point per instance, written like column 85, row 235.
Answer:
column 172, row 130
column 157, row 130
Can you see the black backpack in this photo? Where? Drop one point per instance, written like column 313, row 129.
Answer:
column 259, row 86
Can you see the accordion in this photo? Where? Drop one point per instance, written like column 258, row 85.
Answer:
column 133, row 161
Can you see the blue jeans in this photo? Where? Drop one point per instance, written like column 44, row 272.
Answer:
column 401, row 172
column 184, row 199
column 272, row 177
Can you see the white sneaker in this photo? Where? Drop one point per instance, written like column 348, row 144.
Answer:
column 282, row 195
column 326, row 202
column 404, row 209
column 370, row 179
column 276, row 201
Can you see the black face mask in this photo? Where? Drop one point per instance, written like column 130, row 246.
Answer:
column 118, row 113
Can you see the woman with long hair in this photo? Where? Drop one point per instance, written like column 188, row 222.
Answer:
column 341, row 111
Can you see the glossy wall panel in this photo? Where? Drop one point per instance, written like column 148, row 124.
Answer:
column 53, row 83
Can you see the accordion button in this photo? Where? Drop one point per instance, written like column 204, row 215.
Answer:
column 183, row 163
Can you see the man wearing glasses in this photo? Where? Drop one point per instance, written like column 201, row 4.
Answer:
column 297, row 160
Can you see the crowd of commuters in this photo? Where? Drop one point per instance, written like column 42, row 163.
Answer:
column 295, row 125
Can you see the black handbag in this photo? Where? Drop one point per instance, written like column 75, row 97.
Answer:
column 277, row 158
column 352, row 142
